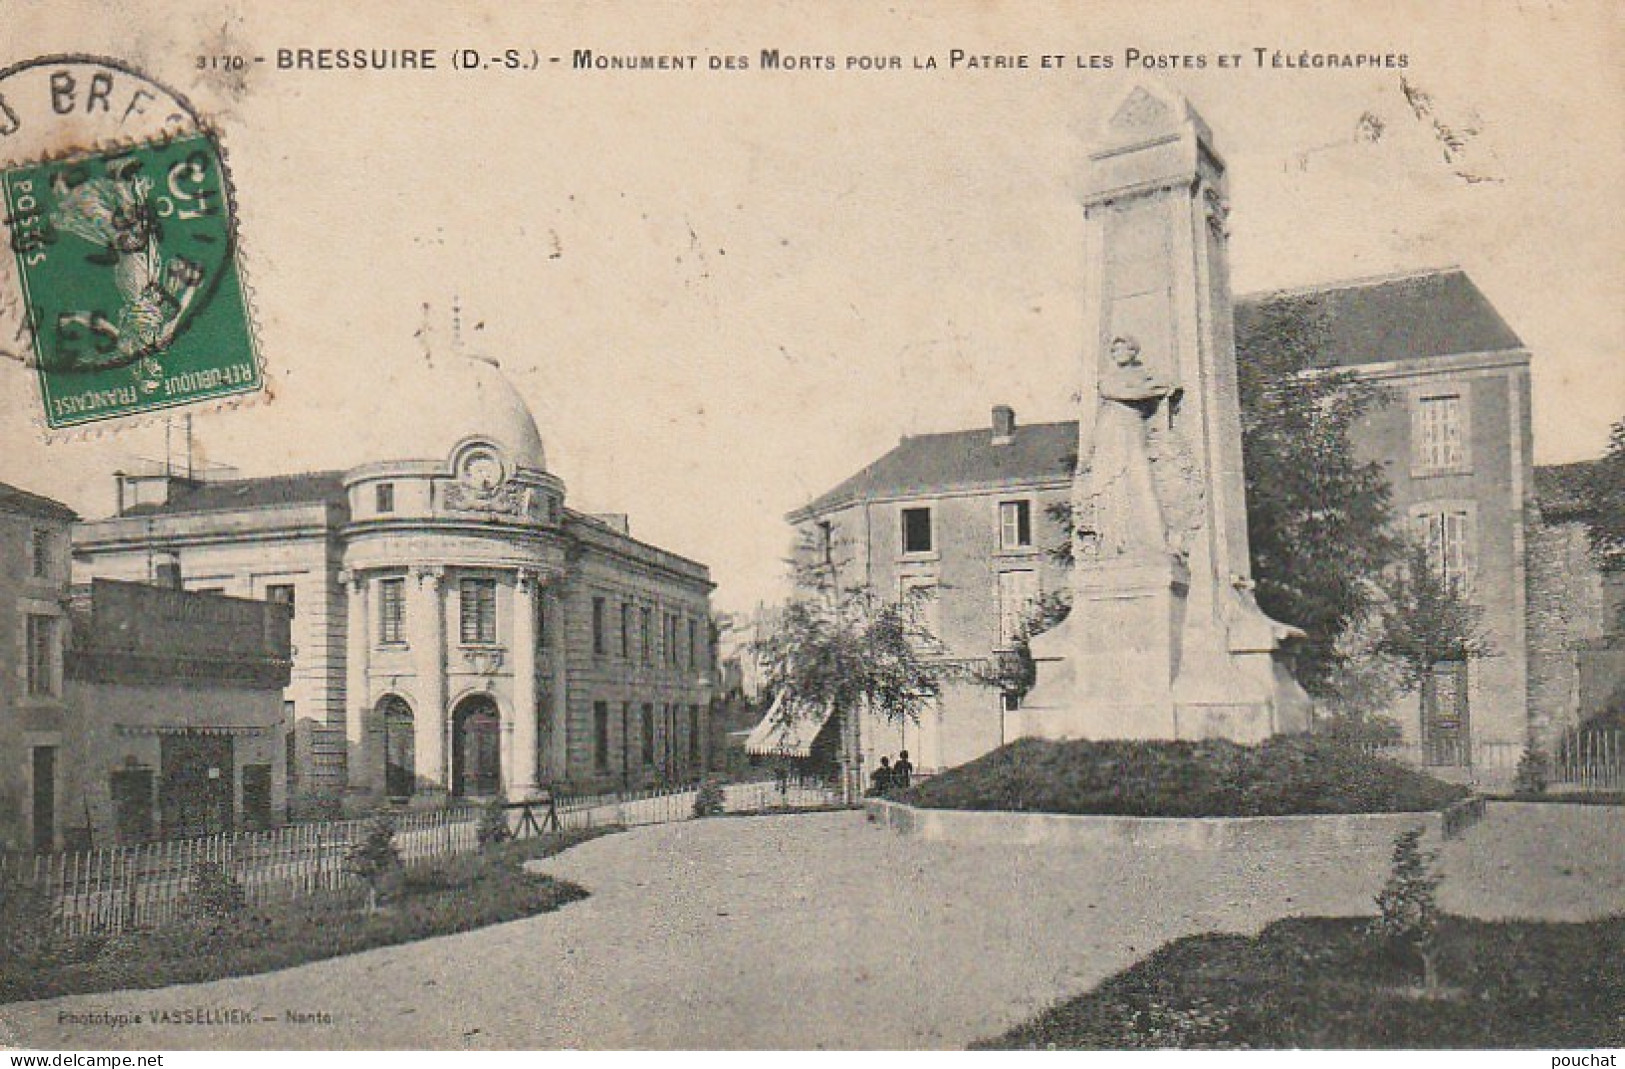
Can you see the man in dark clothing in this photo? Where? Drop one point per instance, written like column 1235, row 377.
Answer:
column 880, row 780
column 902, row 771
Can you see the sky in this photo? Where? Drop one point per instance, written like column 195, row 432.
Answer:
column 723, row 291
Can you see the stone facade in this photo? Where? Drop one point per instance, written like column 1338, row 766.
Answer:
column 1483, row 488
column 176, row 709
column 457, row 629
column 34, row 573
column 1576, row 645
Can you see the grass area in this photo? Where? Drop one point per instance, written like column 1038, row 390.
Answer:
column 1323, row 983
column 454, row 895
column 1287, row 774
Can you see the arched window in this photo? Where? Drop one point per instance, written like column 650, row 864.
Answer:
column 400, row 764
column 476, row 747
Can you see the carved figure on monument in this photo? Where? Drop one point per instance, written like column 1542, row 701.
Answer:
column 1123, row 513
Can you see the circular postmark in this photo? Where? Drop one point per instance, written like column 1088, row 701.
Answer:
column 120, row 283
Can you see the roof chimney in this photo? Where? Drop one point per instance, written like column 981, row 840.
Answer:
column 1004, row 424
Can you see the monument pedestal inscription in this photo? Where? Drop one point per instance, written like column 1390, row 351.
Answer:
column 1164, row 639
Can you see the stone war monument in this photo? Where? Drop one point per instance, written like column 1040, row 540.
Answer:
column 1164, row 640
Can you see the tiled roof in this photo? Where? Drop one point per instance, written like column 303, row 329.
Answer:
column 926, row 463
column 306, row 488
column 1409, row 317
column 1560, row 489
column 1431, row 313
column 16, row 499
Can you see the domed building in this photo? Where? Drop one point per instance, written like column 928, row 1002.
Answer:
column 458, row 630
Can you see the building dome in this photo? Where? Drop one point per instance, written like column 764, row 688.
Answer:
column 428, row 409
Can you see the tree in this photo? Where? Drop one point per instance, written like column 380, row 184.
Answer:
column 1408, row 908
column 1318, row 519
column 1425, row 619
column 1604, row 489
column 840, row 647
column 376, row 859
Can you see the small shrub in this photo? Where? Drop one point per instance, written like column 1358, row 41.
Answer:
column 213, row 893
column 1407, row 906
column 1534, row 772
column 376, row 860
column 493, row 827
column 710, row 802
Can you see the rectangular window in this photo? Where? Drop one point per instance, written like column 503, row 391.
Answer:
column 626, row 737
column 917, row 530
column 1440, row 440
column 42, row 657
column 477, row 602
column 693, row 643
column 281, row 594
column 41, row 544
column 1015, row 524
column 598, row 625
column 386, row 497
column 671, row 639
column 1018, row 592
column 1448, row 536
column 600, row 736
column 648, row 733
column 391, row 611
column 644, row 622
column 694, row 734
column 626, row 630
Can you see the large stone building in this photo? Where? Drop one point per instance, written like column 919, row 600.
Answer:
column 33, row 633
column 965, row 515
column 457, row 629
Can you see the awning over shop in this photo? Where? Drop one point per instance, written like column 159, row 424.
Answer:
column 789, row 733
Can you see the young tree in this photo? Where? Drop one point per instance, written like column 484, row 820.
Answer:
column 1408, row 907
column 376, row 859
column 1424, row 620
column 839, row 646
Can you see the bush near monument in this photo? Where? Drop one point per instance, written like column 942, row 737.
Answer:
column 1322, row 983
column 1285, row 775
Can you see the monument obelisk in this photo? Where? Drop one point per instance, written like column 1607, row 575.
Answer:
column 1164, row 639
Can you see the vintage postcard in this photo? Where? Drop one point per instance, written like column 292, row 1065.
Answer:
column 727, row 526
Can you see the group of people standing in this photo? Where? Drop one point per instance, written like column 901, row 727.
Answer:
column 891, row 777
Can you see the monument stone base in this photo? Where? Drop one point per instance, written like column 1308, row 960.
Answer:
column 1129, row 662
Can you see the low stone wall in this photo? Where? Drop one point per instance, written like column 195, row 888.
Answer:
column 1342, row 831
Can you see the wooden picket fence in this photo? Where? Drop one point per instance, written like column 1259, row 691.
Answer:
column 118, row 889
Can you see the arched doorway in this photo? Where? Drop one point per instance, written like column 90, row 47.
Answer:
column 476, row 747
column 400, row 757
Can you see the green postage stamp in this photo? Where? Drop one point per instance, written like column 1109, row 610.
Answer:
column 129, row 291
